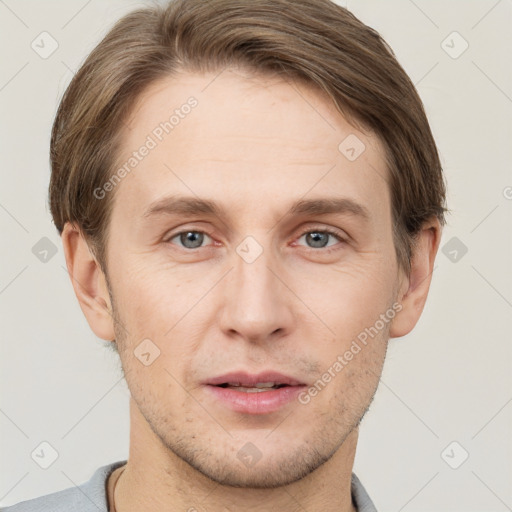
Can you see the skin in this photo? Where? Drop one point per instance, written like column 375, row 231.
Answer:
column 254, row 144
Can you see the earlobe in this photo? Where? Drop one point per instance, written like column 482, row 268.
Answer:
column 414, row 292
column 89, row 282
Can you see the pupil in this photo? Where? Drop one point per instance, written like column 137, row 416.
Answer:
column 194, row 237
column 313, row 237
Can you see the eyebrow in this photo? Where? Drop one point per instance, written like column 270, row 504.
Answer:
column 183, row 205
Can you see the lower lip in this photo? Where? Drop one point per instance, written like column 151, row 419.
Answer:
column 262, row 402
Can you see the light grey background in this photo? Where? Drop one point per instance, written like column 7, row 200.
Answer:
column 449, row 380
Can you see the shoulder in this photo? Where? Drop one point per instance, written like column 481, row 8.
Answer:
column 360, row 497
column 87, row 497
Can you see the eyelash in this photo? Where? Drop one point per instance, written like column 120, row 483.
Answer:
column 327, row 249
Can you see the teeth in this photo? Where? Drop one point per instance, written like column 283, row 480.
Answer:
column 258, row 385
column 251, row 390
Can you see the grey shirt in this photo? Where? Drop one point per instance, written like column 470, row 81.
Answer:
column 91, row 496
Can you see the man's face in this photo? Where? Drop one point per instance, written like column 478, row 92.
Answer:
column 289, row 299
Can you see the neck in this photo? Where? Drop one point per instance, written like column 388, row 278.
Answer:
column 156, row 479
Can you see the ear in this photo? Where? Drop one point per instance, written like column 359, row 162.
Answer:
column 414, row 288
column 89, row 283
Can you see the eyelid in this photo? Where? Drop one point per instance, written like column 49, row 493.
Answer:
column 325, row 229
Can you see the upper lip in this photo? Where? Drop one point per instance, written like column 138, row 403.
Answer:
column 249, row 380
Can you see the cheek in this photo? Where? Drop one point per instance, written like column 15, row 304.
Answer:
column 356, row 304
column 152, row 299
column 349, row 297
column 159, row 304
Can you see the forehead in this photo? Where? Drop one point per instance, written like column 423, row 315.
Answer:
column 250, row 139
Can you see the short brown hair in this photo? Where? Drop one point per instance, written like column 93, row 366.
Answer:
column 315, row 41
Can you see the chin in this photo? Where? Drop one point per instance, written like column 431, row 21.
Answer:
column 264, row 474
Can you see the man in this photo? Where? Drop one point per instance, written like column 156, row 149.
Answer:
column 250, row 201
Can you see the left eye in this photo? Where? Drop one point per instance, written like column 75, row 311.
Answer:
column 319, row 238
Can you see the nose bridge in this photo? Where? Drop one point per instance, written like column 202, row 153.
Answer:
column 255, row 303
column 251, row 274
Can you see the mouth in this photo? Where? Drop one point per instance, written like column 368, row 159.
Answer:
column 258, row 388
column 261, row 393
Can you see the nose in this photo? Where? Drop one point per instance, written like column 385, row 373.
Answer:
column 257, row 304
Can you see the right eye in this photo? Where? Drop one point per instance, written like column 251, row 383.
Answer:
column 189, row 239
